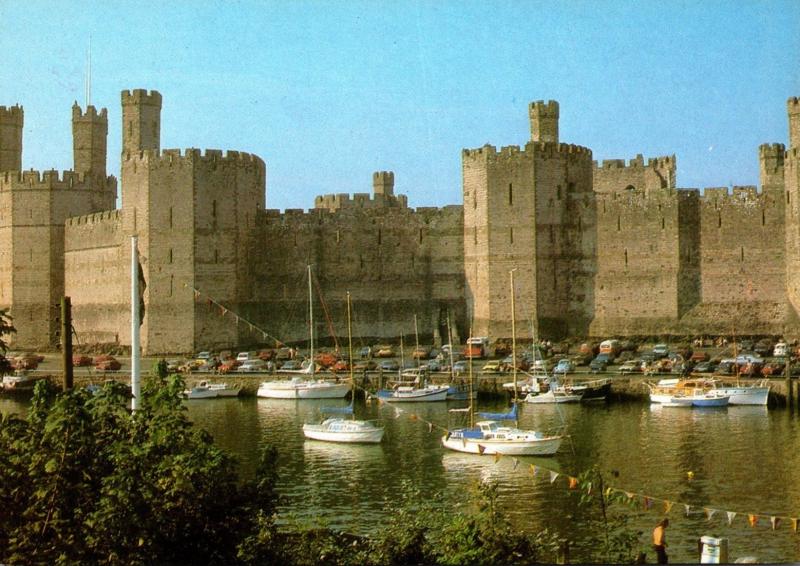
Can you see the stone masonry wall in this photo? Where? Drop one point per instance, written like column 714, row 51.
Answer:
column 614, row 175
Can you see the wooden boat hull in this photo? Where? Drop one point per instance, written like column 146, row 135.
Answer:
column 753, row 395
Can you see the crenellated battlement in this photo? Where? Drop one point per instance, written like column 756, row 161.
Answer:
column 772, row 150
column 665, row 161
column 549, row 108
column 339, row 201
column 543, row 149
column 90, row 113
column 793, row 105
column 96, row 218
column 194, row 154
column 745, row 194
column 50, row 180
column 12, row 114
column 141, row 96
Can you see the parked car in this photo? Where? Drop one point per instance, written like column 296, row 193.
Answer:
column 700, row 356
column 434, row 365
column 564, row 366
column 764, row 347
column 292, row 365
column 389, row 365
column 631, row 366
column 26, row 361
column 384, row 352
column 251, row 366
column 364, row 365
column 107, row 363
column 600, row 363
column 582, row 359
column 242, row 357
column 660, row 350
column 421, row 353
column 492, row 366
column 341, row 365
column 705, row 367
column 365, row 352
column 203, row 356
column 460, row 367
column 79, row 360
column 773, row 369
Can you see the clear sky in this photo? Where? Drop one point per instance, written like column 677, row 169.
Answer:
column 328, row 92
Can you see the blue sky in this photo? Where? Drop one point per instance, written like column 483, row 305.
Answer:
column 328, row 92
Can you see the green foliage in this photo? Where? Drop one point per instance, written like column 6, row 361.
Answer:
column 618, row 544
column 85, row 481
column 6, row 328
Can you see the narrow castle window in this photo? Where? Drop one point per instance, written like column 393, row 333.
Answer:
column 719, row 220
column 379, row 236
column 170, row 255
column 558, row 192
column 475, row 235
column 580, row 224
column 130, row 128
column 361, row 261
column 511, row 235
column 338, row 236
column 763, row 219
column 420, row 235
column 170, row 217
column 662, row 222
column 214, row 209
column 510, row 195
column 216, row 256
column 412, row 261
column 626, row 257
column 741, row 251
column 619, row 224
column 171, row 283
column 571, row 187
column 475, row 199
column 787, row 197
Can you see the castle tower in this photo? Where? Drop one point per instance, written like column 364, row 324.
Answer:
column 89, row 136
column 793, row 107
column 11, row 119
column 383, row 183
column 544, row 121
column 141, row 120
column 770, row 162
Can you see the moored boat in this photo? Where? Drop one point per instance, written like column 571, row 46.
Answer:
column 413, row 393
column 488, row 437
column 338, row 429
column 739, row 394
column 299, row 388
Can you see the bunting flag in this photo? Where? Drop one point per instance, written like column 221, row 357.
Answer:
column 731, row 515
column 533, row 470
column 647, row 502
column 667, row 506
column 753, row 520
column 516, row 463
column 196, row 294
column 413, row 417
column 709, row 512
column 397, row 413
column 553, row 476
column 794, row 523
column 775, row 522
column 589, row 488
column 481, row 448
column 430, row 428
column 629, row 495
column 497, row 456
column 608, row 492
column 688, row 509
column 573, row 482
column 223, row 310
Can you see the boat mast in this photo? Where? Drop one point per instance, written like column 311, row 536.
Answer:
column 469, row 390
column 513, row 335
column 350, row 356
column 450, row 342
column 311, row 323
column 416, row 340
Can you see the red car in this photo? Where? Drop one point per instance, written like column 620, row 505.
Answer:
column 108, row 363
column 79, row 360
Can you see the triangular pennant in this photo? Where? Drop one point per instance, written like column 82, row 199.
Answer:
column 667, row 506
column 753, row 520
column 573, row 482
column 533, row 470
column 223, row 310
column 481, row 449
column 413, row 417
column 516, row 463
column 397, row 413
column 608, row 492
column 794, row 524
column 709, row 512
column 553, row 476
column 430, row 427
column 629, row 495
column 776, row 521
column 196, row 294
column 731, row 515
column 497, row 457
column 647, row 502
column 688, row 509
column 589, row 488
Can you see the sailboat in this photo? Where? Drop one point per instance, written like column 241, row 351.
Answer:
column 306, row 387
column 340, row 429
column 489, row 436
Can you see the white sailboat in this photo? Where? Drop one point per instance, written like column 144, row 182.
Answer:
column 340, row 429
column 490, row 437
column 304, row 387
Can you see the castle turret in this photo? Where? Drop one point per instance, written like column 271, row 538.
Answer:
column 544, row 121
column 383, row 183
column 770, row 161
column 89, row 137
column 141, row 120
column 11, row 119
column 793, row 107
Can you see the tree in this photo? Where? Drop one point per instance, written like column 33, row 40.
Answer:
column 6, row 328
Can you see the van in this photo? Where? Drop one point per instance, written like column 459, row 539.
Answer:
column 476, row 347
column 610, row 347
column 781, row 350
column 245, row 356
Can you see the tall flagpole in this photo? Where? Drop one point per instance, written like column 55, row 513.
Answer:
column 135, row 354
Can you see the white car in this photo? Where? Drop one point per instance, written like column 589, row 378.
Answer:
column 244, row 356
column 252, row 366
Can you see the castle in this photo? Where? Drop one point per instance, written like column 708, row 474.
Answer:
column 611, row 248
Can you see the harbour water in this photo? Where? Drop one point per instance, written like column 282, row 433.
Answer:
column 742, row 459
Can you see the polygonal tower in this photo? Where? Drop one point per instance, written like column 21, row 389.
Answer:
column 89, row 137
column 11, row 119
column 544, row 121
column 383, row 183
column 793, row 107
column 141, row 121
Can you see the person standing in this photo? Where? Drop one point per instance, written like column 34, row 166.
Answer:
column 660, row 541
